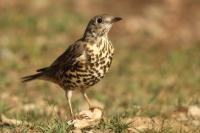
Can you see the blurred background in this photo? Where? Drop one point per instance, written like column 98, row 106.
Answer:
column 156, row 65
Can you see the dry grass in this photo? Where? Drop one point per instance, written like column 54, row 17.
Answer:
column 155, row 73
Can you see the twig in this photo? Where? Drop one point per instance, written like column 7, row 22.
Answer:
column 15, row 122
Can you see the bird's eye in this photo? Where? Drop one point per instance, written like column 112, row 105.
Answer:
column 99, row 20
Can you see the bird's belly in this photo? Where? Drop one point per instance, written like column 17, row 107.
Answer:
column 87, row 75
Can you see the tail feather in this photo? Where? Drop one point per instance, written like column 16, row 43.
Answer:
column 31, row 77
column 42, row 69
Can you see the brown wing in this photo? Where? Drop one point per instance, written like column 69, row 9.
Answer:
column 67, row 59
column 70, row 55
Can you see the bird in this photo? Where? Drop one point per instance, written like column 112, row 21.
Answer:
column 84, row 63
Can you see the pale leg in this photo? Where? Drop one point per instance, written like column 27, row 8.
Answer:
column 91, row 106
column 68, row 95
column 87, row 99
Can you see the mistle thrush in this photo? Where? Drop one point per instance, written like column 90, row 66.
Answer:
column 84, row 63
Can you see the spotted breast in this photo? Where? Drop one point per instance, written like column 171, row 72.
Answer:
column 90, row 67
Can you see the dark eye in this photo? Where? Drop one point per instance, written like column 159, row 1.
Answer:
column 99, row 20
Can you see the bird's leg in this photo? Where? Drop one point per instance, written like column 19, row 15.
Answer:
column 91, row 106
column 87, row 99
column 68, row 95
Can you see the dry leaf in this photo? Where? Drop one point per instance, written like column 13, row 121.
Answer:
column 88, row 118
column 15, row 122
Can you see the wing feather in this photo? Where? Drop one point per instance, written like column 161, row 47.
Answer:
column 69, row 58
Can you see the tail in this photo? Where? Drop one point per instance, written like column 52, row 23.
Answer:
column 31, row 77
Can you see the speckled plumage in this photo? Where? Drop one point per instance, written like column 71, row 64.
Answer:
column 84, row 62
column 89, row 67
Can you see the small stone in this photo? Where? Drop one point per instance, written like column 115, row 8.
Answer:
column 194, row 111
column 196, row 122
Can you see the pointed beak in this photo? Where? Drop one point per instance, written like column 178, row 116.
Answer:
column 116, row 19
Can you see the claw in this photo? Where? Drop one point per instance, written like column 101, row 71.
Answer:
column 82, row 116
column 92, row 108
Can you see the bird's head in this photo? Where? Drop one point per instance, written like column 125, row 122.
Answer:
column 100, row 25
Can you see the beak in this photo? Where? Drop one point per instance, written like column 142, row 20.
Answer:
column 116, row 19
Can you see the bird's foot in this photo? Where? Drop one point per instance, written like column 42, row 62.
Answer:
column 92, row 113
column 92, row 108
column 82, row 116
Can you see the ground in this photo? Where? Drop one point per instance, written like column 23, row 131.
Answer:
column 152, row 87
